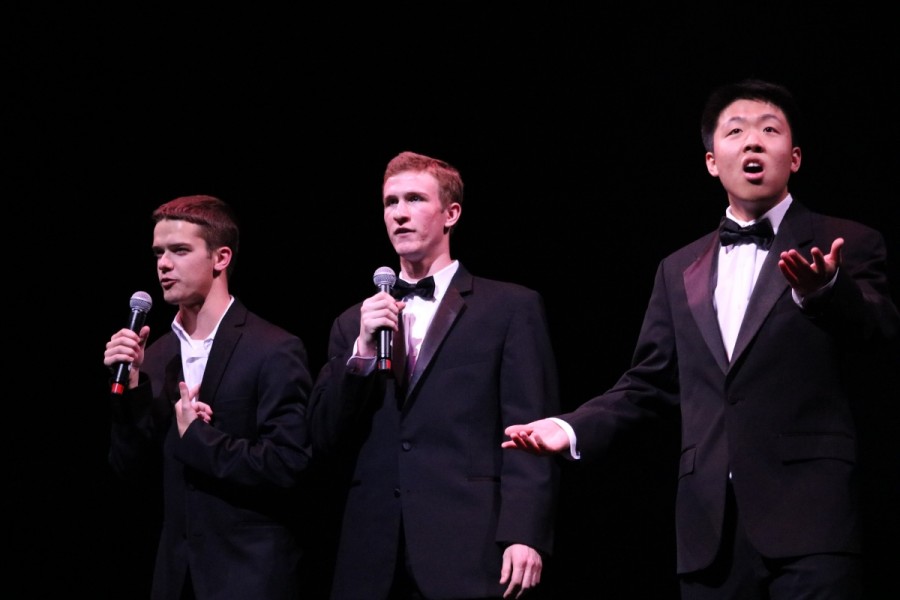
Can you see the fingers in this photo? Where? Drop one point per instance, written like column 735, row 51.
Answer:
column 144, row 334
column 513, row 590
column 379, row 312
column 806, row 277
column 517, row 430
column 122, row 347
column 836, row 254
column 201, row 409
column 506, row 569
column 526, row 440
column 788, row 273
column 794, row 261
column 513, row 576
column 818, row 258
column 541, row 437
column 187, row 394
column 189, row 408
column 521, row 569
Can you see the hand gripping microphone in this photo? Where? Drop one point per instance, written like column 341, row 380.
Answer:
column 385, row 279
column 140, row 306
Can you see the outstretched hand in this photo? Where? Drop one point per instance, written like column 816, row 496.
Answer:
column 805, row 277
column 538, row 437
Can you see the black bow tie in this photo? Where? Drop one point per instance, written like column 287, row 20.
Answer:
column 423, row 288
column 759, row 233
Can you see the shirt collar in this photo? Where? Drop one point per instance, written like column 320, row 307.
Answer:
column 183, row 335
column 442, row 279
column 775, row 215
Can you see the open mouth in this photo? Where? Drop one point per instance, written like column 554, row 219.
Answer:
column 753, row 166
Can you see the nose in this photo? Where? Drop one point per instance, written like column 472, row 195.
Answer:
column 401, row 211
column 163, row 263
column 752, row 143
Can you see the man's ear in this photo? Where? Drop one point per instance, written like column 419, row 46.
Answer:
column 711, row 164
column 454, row 210
column 222, row 257
column 795, row 159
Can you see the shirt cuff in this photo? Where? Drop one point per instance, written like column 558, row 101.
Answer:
column 574, row 454
column 360, row 365
column 805, row 301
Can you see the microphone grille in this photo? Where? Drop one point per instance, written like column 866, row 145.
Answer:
column 384, row 276
column 141, row 301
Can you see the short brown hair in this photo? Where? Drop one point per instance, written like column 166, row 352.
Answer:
column 218, row 225
column 450, row 182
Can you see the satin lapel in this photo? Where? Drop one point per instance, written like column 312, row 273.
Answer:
column 699, row 284
column 451, row 306
column 794, row 232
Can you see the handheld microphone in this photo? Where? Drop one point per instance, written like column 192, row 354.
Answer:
column 140, row 305
column 385, row 279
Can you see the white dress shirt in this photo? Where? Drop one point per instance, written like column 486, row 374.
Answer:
column 195, row 353
column 417, row 316
column 739, row 266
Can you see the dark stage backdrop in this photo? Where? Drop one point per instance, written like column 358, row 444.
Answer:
column 577, row 134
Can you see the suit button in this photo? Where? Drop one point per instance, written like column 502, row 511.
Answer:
column 407, row 446
column 396, row 492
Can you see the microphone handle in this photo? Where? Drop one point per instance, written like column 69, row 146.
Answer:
column 384, row 341
column 120, row 378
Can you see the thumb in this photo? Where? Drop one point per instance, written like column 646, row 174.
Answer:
column 188, row 393
column 836, row 251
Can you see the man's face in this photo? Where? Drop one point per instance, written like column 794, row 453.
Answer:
column 185, row 266
column 753, row 155
column 417, row 224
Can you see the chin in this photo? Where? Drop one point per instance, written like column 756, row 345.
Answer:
column 407, row 251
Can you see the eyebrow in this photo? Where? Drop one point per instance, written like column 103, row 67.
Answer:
column 407, row 195
column 744, row 119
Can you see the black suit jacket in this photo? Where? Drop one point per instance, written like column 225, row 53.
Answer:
column 779, row 416
column 229, row 486
column 430, row 455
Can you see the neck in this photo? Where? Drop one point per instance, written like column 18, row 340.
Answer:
column 415, row 270
column 751, row 210
column 199, row 319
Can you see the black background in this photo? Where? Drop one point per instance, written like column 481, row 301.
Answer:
column 577, row 135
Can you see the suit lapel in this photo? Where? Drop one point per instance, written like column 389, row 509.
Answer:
column 451, row 307
column 699, row 284
column 226, row 340
column 795, row 231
